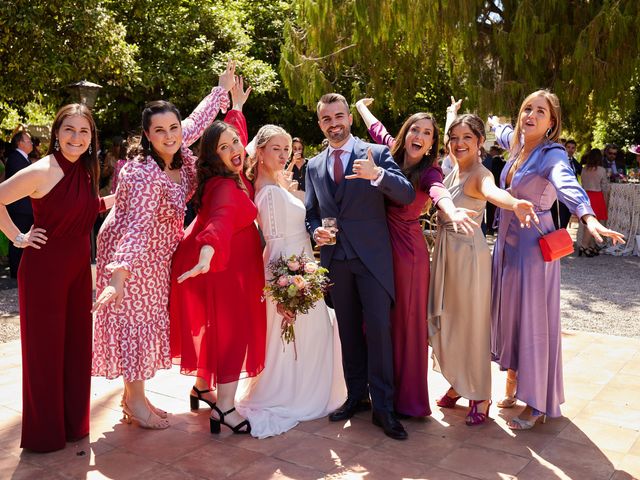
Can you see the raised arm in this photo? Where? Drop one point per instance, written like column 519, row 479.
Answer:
column 452, row 114
column 235, row 116
column 377, row 130
column 504, row 132
column 206, row 112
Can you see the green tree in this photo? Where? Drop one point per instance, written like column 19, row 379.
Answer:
column 46, row 45
column 182, row 46
column 494, row 51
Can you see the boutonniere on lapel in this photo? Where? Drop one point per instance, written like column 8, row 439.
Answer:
column 365, row 168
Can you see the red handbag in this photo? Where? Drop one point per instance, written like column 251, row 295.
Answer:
column 555, row 245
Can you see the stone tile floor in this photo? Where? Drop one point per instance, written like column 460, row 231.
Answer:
column 598, row 437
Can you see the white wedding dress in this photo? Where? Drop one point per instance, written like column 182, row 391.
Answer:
column 291, row 390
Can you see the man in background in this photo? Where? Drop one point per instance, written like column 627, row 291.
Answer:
column 20, row 211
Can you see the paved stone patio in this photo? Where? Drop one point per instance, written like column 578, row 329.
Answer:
column 598, row 437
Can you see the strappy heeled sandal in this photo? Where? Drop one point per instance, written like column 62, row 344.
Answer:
column 158, row 411
column 214, row 423
column 446, row 401
column 196, row 399
column 474, row 417
column 149, row 423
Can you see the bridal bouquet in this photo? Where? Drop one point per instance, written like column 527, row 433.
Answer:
column 296, row 283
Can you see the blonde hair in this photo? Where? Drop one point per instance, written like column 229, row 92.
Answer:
column 556, row 117
column 264, row 135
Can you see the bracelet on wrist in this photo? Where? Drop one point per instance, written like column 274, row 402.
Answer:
column 20, row 240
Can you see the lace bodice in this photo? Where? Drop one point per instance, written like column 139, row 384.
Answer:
column 281, row 217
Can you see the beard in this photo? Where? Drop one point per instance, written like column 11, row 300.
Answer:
column 338, row 135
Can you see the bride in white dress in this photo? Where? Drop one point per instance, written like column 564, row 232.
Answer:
column 289, row 389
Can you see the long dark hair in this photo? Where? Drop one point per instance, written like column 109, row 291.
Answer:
column 89, row 160
column 414, row 172
column 146, row 148
column 209, row 163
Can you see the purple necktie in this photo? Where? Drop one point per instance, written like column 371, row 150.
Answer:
column 338, row 171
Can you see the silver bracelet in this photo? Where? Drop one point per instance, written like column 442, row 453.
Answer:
column 20, row 240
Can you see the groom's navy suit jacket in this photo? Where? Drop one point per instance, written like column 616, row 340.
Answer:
column 359, row 208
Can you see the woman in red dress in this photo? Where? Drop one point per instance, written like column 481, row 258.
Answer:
column 54, row 281
column 218, row 320
column 415, row 150
column 594, row 180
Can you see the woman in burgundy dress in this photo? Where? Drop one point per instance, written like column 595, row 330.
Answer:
column 415, row 151
column 218, row 321
column 54, row 281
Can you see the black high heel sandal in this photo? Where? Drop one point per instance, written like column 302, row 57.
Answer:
column 214, row 424
column 587, row 252
column 195, row 400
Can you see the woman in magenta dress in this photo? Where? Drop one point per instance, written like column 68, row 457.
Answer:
column 54, row 281
column 217, row 316
column 415, row 152
column 135, row 246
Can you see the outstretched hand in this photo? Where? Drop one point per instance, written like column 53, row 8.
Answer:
column 227, row 78
column 525, row 213
column 239, row 95
column 462, row 218
column 203, row 265
column 597, row 230
column 365, row 168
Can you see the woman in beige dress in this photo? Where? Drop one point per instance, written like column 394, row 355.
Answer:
column 460, row 287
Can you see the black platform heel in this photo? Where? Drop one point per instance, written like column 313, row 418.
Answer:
column 195, row 400
column 214, row 423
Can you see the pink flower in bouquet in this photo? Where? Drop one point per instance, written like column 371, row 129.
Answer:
column 299, row 281
column 283, row 281
column 293, row 265
column 311, row 267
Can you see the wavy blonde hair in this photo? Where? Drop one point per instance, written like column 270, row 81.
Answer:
column 556, row 116
column 266, row 133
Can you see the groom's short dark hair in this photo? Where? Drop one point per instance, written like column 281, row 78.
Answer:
column 331, row 98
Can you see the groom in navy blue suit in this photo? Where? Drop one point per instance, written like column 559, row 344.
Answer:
column 350, row 181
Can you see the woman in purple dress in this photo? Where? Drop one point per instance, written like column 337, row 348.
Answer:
column 415, row 151
column 525, row 334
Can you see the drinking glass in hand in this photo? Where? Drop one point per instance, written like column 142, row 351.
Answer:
column 331, row 225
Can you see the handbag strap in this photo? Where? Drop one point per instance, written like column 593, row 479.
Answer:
column 538, row 228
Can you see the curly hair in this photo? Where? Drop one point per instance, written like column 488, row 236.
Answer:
column 210, row 164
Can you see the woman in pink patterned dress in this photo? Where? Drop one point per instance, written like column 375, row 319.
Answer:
column 135, row 247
